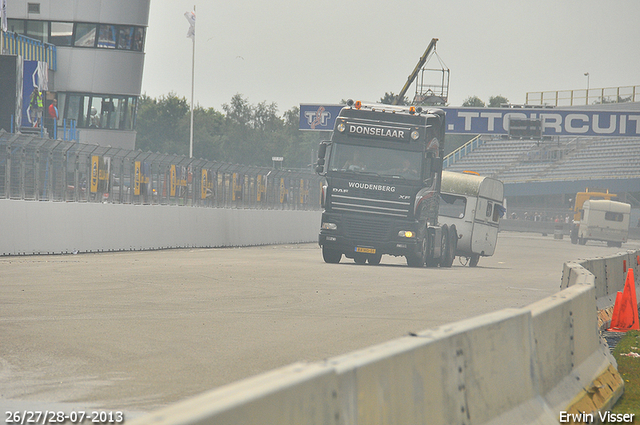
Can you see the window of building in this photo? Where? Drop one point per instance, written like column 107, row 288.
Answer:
column 16, row 25
column 38, row 30
column 125, row 37
column 101, row 111
column 107, row 37
column 73, row 109
column 138, row 40
column 85, row 35
column 33, row 7
column 104, row 36
column 61, row 33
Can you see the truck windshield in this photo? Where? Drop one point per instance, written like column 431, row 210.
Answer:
column 375, row 160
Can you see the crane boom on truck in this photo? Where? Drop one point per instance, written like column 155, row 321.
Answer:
column 416, row 70
column 383, row 171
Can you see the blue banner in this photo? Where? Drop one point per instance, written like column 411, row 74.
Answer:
column 318, row 117
column 555, row 122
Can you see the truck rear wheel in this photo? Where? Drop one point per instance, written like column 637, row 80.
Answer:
column 444, row 246
column 452, row 246
column 331, row 255
column 582, row 241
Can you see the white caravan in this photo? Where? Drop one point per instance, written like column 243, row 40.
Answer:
column 604, row 220
column 474, row 204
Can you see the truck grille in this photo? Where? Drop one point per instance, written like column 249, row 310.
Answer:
column 369, row 230
column 369, row 205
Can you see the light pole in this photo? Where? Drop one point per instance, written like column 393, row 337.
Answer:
column 586, row 74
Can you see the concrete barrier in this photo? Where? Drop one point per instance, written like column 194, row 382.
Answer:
column 30, row 227
column 609, row 275
column 525, row 366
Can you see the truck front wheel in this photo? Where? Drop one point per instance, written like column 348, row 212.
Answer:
column 417, row 259
column 331, row 255
column 374, row 259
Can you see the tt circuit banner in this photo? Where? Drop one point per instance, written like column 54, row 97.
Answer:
column 318, row 117
column 496, row 121
column 555, row 122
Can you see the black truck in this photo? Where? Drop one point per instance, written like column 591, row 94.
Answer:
column 383, row 170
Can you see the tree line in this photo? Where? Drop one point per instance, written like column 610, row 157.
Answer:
column 242, row 133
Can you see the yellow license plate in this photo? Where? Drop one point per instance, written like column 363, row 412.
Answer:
column 366, row 250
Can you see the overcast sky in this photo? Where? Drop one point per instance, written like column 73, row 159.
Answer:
column 297, row 51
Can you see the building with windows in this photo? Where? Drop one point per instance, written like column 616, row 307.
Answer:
column 99, row 61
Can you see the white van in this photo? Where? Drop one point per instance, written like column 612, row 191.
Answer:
column 604, row 220
column 474, row 204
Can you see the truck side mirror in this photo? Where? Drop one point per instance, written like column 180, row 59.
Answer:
column 322, row 151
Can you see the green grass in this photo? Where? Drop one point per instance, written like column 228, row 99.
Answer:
column 629, row 368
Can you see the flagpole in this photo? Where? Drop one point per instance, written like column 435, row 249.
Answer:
column 193, row 61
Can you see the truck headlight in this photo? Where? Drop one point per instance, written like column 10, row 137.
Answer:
column 341, row 127
column 329, row 226
column 406, row 234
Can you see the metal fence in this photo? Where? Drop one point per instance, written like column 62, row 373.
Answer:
column 34, row 168
column 584, row 96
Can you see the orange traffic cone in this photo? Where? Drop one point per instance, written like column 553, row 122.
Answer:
column 625, row 310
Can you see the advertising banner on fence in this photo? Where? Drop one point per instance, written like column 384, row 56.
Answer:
column 95, row 164
column 204, row 184
column 137, row 178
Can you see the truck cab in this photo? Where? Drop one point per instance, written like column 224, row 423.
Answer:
column 382, row 170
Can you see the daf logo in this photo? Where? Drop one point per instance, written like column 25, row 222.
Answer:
column 404, row 197
column 338, row 190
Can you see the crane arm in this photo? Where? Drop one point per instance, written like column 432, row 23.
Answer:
column 414, row 74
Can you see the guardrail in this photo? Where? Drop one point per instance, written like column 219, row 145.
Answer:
column 584, row 96
column 33, row 168
column 540, row 364
column 462, row 151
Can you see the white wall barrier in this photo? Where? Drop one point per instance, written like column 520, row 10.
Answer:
column 524, row 366
column 30, row 227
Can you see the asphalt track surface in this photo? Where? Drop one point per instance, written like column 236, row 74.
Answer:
column 134, row 331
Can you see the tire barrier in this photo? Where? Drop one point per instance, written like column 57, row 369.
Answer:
column 533, row 365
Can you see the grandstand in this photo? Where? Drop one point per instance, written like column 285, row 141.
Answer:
column 519, row 161
column 546, row 174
